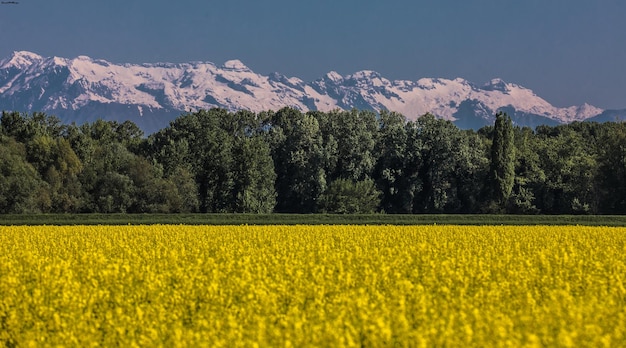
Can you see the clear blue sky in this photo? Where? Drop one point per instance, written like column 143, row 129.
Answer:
column 567, row 51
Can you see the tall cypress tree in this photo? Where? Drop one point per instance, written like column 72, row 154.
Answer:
column 502, row 169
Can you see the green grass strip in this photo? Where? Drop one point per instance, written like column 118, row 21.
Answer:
column 309, row 219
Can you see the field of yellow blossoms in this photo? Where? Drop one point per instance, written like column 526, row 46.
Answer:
column 299, row 286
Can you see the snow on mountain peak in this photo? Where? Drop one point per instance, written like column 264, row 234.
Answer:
column 366, row 74
column 578, row 113
column 20, row 60
column 496, row 81
column 334, row 76
column 65, row 86
column 496, row 84
column 235, row 64
column 58, row 61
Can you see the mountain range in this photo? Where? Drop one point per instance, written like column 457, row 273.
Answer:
column 83, row 89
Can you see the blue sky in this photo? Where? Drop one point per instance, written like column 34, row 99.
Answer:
column 567, row 51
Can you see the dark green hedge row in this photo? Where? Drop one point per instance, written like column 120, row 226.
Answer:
column 309, row 219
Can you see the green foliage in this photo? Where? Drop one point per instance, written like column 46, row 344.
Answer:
column 310, row 219
column 298, row 151
column 612, row 169
column 214, row 161
column 345, row 196
column 254, row 176
column 24, row 127
column 227, row 156
column 353, row 138
column 393, row 158
column 570, row 171
column 529, row 176
column 20, row 186
column 446, row 164
column 183, row 197
column 502, row 169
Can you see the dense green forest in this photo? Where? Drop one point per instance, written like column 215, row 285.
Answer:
column 316, row 162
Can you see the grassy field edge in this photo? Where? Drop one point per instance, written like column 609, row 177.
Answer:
column 309, row 219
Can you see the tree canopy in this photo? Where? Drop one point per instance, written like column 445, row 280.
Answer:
column 354, row 161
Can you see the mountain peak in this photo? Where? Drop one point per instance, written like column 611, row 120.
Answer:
column 582, row 112
column 57, row 61
column 333, row 76
column 496, row 84
column 235, row 65
column 20, row 59
column 366, row 74
column 83, row 57
column 153, row 94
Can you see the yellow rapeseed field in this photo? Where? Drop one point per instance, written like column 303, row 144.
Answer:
column 318, row 286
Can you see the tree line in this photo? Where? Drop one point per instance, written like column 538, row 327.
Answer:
column 288, row 161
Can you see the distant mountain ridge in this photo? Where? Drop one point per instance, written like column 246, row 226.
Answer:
column 85, row 89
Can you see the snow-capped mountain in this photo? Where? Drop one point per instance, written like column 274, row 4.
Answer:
column 85, row 89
